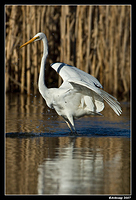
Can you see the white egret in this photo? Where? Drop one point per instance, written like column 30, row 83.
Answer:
column 80, row 93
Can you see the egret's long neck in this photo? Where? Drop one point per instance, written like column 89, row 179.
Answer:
column 41, row 83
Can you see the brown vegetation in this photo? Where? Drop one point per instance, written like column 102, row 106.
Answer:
column 95, row 39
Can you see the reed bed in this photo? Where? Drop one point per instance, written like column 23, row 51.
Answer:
column 93, row 38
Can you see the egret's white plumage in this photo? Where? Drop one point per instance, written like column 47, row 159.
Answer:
column 80, row 93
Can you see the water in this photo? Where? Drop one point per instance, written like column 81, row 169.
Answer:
column 42, row 158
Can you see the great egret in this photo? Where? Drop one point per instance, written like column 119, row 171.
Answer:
column 80, row 93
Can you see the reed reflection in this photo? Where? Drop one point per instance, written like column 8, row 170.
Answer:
column 63, row 165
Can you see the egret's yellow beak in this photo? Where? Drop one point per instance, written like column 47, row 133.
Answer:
column 29, row 42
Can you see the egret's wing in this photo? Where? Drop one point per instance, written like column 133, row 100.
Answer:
column 81, row 80
column 68, row 72
column 112, row 101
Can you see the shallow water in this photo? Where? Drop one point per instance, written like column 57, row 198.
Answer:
column 42, row 157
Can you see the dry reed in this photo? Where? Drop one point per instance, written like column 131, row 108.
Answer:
column 95, row 39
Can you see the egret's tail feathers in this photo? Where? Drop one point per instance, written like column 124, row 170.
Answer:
column 112, row 101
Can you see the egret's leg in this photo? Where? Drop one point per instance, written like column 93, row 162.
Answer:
column 75, row 130
column 69, row 126
column 71, row 122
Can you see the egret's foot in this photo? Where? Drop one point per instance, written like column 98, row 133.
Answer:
column 74, row 133
column 71, row 133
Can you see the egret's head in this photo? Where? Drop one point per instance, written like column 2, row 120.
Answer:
column 38, row 36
